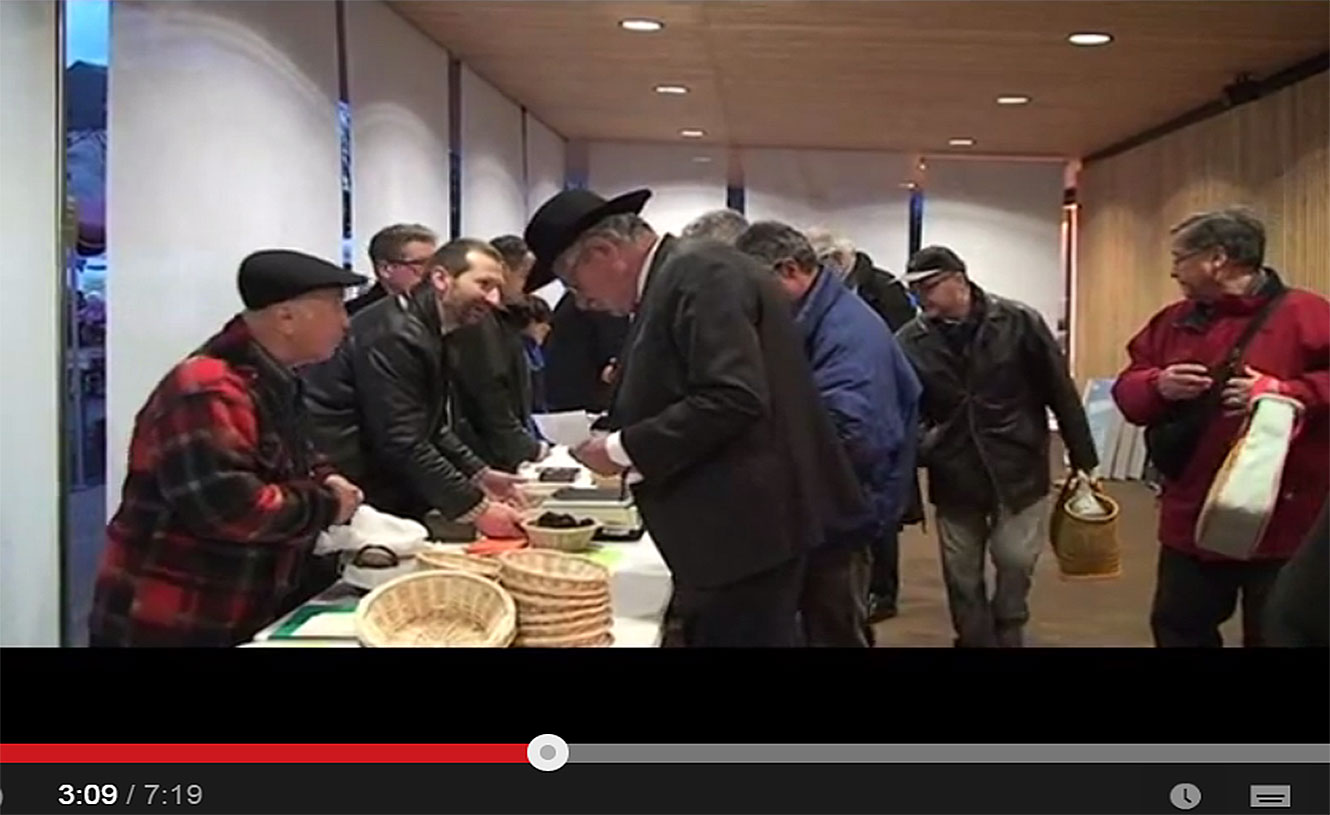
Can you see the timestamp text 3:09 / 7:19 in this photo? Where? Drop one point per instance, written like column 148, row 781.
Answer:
column 148, row 794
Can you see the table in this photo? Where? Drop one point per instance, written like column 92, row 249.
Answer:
column 639, row 593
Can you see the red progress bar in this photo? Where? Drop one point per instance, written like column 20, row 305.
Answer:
column 263, row 754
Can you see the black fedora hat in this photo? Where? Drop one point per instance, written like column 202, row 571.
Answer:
column 562, row 219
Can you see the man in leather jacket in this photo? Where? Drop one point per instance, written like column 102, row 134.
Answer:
column 990, row 370
column 488, row 366
column 378, row 408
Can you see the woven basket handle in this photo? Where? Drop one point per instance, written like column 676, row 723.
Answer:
column 1055, row 519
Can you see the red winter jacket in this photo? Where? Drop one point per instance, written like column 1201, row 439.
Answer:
column 1294, row 347
column 221, row 506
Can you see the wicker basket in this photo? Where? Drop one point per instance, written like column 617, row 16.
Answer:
column 428, row 558
column 572, row 615
column 594, row 639
column 574, row 539
column 600, row 623
column 1086, row 547
column 437, row 609
column 551, row 604
column 541, row 572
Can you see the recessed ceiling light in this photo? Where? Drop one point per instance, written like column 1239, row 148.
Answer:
column 1013, row 99
column 961, row 142
column 692, row 133
column 641, row 24
column 675, row 89
column 702, row 159
column 1090, row 38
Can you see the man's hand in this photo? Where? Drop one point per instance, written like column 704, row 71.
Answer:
column 596, row 457
column 500, row 485
column 1239, row 390
column 499, row 521
column 349, row 497
column 610, row 371
column 1182, row 381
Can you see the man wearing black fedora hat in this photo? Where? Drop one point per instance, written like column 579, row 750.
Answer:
column 715, row 421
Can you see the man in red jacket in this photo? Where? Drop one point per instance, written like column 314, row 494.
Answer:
column 1217, row 261
column 225, row 494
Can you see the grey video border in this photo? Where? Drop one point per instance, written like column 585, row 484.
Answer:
column 949, row 753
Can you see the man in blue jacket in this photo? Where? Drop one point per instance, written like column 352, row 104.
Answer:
column 872, row 394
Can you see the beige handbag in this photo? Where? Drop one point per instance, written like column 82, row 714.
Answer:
column 1246, row 490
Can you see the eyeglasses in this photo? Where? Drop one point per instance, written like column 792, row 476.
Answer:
column 418, row 264
column 1179, row 259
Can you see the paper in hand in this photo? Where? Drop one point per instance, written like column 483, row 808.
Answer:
column 569, row 428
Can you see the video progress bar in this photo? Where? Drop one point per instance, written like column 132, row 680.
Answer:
column 949, row 753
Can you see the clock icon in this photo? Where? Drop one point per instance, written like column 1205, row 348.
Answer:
column 1185, row 796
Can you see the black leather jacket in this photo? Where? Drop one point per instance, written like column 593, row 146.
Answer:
column 378, row 410
column 986, row 436
column 492, row 390
column 882, row 292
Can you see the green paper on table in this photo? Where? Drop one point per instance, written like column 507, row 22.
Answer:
column 319, row 621
column 604, row 555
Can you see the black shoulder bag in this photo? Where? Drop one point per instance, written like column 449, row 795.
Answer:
column 1172, row 440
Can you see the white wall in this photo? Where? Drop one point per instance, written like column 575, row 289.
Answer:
column 682, row 187
column 1004, row 219
column 30, row 445
column 546, row 163
column 855, row 193
column 223, row 140
column 397, row 85
column 493, row 188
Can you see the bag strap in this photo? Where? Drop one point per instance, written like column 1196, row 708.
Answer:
column 1239, row 348
column 1253, row 326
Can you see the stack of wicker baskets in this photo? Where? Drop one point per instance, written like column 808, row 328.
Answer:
column 434, row 558
column 437, row 609
column 562, row 600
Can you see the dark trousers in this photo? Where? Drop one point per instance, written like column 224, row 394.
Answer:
column 834, row 603
column 755, row 612
column 1194, row 597
column 885, row 581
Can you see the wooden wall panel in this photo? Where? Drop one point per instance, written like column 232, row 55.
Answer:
column 1270, row 155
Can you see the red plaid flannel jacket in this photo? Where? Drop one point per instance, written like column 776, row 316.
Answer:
column 221, row 505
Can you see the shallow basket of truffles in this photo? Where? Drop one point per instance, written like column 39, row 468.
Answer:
column 563, row 533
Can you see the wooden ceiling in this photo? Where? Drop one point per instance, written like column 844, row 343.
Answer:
column 872, row 75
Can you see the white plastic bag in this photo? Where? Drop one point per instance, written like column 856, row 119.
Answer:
column 370, row 527
column 1083, row 501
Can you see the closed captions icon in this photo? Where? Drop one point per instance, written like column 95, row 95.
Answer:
column 1185, row 796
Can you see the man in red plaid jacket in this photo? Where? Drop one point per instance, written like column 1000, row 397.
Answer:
column 224, row 495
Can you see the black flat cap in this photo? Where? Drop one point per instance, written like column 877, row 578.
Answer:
column 561, row 220
column 274, row 275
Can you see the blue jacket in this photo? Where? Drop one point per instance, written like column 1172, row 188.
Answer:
column 872, row 394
